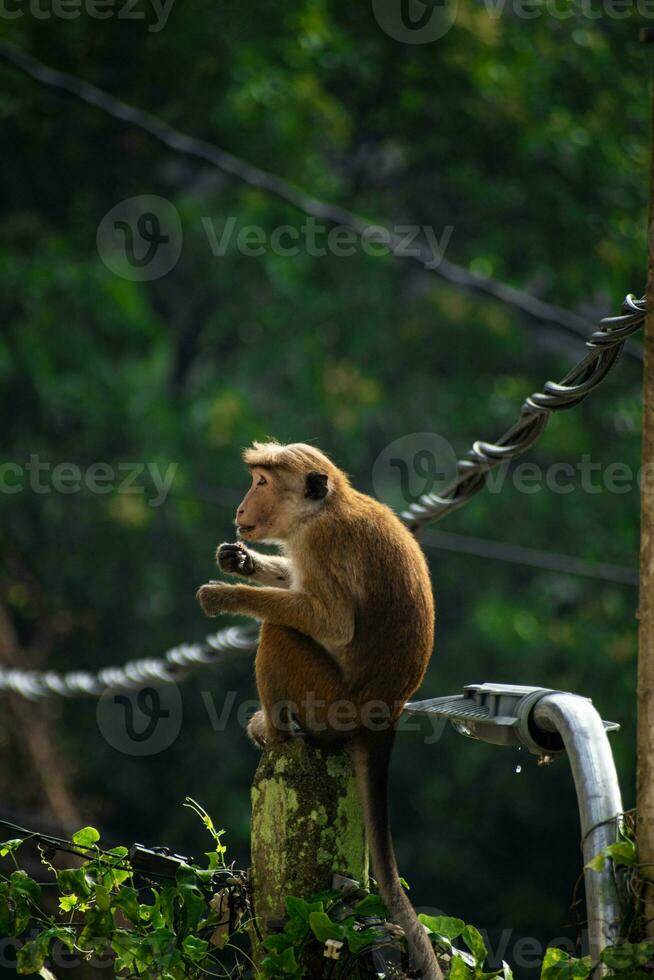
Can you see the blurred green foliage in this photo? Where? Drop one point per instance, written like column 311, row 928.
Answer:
column 531, row 138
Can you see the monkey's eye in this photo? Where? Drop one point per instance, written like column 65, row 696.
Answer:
column 262, row 481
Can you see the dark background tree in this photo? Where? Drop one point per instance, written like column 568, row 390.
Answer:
column 531, row 138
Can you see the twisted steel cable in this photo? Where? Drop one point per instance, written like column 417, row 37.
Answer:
column 604, row 348
column 172, row 667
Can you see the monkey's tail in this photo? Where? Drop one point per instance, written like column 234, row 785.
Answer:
column 372, row 755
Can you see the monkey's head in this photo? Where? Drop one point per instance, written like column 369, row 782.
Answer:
column 290, row 486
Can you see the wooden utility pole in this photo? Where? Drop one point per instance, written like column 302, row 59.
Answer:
column 645, row 765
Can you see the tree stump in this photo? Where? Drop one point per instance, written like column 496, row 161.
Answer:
column 307, row 825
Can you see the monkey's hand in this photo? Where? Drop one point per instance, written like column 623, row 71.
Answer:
column 216, row 597
column 235, row 559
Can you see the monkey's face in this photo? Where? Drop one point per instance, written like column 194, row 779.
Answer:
column 278, row 501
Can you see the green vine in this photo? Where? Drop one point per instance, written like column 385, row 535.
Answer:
column 188, row 924
column 326, row 926
column 173, row 930
column 629, row 960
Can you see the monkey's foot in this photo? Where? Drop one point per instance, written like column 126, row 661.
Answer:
column 258, row 729
column 262, row 734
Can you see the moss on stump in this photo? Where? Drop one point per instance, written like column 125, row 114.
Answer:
column 307, row 824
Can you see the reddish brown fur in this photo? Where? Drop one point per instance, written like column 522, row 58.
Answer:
column 348, row 624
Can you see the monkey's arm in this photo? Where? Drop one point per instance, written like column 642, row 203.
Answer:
column 297, row 610
column 236, row 559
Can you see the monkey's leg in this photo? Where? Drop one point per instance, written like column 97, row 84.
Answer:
column 298, row 681
column 297, row 610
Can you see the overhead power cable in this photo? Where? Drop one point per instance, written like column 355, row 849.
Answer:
column 605, row 346
column 134, row 675
column 518, row 299
column 517, row 554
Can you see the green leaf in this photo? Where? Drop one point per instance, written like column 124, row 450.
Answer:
column 460, row 970
column 98, row 929
column 22, row 915
column 627, row 956
column 65, row 935
column 21, row 884
column 102, row 898
column 358, row 941
column 443, row 925
column 193, row 908
column 30, row 958
column 6, row 911
column 72, row 881
column 169, row 901
column 67, row 903
column 289, row 963
column 278, row 941
column 127, row 900
column 597, row 863
column 475, row 943
column 215, row 860
column 186, row 875
column 115, row 877
column 324, row 928
column 86, row 837
column 622, row 852
column 162, row 944
column 195, row 949
column 371, row 905
column 298, row 908
column 126, row 945
column 10, row 845
column 559, row 965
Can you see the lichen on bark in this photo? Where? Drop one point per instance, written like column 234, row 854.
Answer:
column 307, row 824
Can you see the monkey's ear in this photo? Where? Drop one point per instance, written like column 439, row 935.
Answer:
column 315, row 487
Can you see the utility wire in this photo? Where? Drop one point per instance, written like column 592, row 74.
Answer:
column 134, row 675
column 457, row 275
column 604, row 348
column 532, row 557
